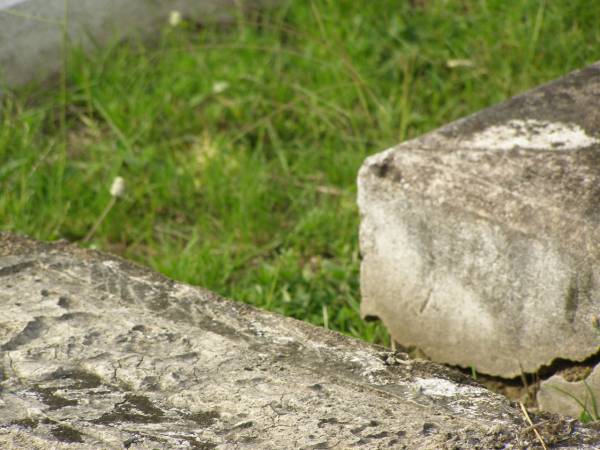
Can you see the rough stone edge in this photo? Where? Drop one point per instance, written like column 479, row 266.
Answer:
column 11, row 243
column 571, row 398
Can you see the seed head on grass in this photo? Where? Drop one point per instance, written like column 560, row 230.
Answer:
column 456, row 63
column 219, row 87
column 117, row 190
column 174, row 18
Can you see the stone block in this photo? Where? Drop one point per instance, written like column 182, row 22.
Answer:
column 31, row 31
column 481, row 240
column 575, row 393
column 96, row 352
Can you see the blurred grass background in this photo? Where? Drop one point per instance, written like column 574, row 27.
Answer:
column 240, row 143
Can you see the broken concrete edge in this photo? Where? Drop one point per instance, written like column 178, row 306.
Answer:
column 32, row 31
column 552, row 128
column 579, row 397
column 553, row 134
column 94, row 347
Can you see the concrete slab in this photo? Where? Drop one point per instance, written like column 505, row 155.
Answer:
column 481, row 240
column 96, row 352
column 574, row 393
column 31, row 31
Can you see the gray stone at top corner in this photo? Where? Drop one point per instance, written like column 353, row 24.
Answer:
column 573, row 99
column 31, row 31
column 481, row 240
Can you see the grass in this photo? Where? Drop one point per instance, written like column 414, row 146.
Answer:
column 240, row 144
column 589, row 404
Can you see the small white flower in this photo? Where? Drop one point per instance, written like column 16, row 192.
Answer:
column 220, row 86
column 454, row 63
column 117, row 189
column 174, row 18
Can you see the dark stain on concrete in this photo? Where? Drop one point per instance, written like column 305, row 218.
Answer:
column 33, row 330
column 78, row 379
column 16, row 268
column 387, row 169
column 204, row 418
column 65, row 302
column 135, row 409
column 572, row 300
column 429, row 429
column 65, row 433
column 49, row 396
column 27, row 422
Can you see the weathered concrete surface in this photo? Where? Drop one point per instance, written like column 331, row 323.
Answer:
column 100, row 353
column 481, row 240
column 31, row 49
column 571, row 393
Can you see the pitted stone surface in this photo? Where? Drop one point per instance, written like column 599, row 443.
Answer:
column 481, row 240
column 97, row 352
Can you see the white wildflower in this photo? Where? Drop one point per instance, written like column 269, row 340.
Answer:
column 174, row 18
column 220, row 86
column 454, row 63
column 117, row 189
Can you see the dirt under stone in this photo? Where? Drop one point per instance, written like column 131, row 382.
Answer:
column 525, row 388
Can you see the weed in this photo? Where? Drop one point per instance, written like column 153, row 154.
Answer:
column 589, row 405
column 473, row 373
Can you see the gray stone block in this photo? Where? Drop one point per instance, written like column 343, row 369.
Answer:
column 96, row 352
column 481, row 240
column 31, row 31
column 572, row 395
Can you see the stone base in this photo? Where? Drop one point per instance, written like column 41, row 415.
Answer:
column 481, row 240
column 574, row 393
column 97, row 352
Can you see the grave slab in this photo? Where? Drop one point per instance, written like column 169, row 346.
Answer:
column 31, row 31
column 97, row 352
column 481, row 240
